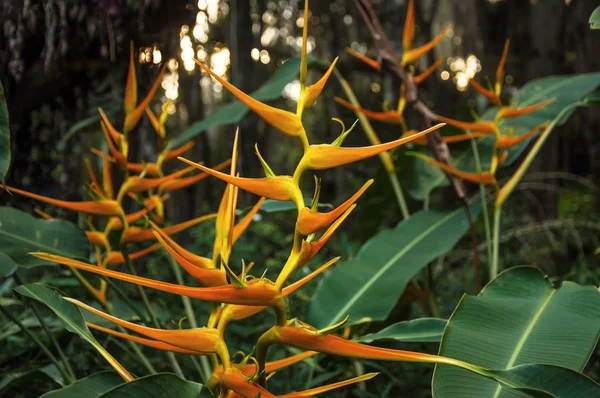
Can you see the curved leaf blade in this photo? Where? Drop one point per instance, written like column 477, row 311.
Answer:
column 422, row 330
column 384, row 266
column 21, row 233
column 7, row 266
column 92, row 386
column 158, row 386
column 512, row 322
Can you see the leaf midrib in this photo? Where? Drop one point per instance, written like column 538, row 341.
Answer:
column 392, row 261
column 553, row 88
column 525, row 336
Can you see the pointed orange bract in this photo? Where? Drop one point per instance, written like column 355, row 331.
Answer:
column 201, row 340
column 243, row 224
column 310, row 221
column 412, row 55
column 322, row 389
column 369, row 61
column 131, row 85
column 427, row 72
column 116, row 258
column 260, row 292
column 491, row 96
column 500, row 69
column 239, row 312
column 321, row 157
column 504, row 142
column 132, row 118
column 120, row 156
column 306, row 337
column 482, row 127
column 181, row 183
column 286, row 122
column 509, row 113
column 208, row 277
column 138, row 184
column 389, row 117
column 313, row 92
column 195, row 260
column 159, row 345
column 173, row 153
column 278, row 188
column 408, row 33
column 138, row 234
column 478, row 178
column 99, row 207
column 235, row 380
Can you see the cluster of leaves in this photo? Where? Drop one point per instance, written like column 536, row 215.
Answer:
column 503, row 341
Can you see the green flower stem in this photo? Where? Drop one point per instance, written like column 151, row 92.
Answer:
column 484, row 209
column 203, row 367
column 373, row 139
column 37, row 341
column 153, row 319
column 496, row 241
column 400, row 199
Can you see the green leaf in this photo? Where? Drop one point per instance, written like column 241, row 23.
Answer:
column 595, row 19
column 519, row 318
column 158, row 386
column 68, row 313
column 235, row 111
column 7, row 266
column 92, row 386
column 423, row 330
column 4, row 136
column 21, row 233
column 384, row 266
column 567, row 90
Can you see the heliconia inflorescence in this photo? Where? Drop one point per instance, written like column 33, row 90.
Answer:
column 236, row 297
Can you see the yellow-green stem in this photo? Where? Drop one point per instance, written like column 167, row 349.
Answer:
column 486, row 217
column 496, row 243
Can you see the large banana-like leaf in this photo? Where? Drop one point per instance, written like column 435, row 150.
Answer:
column 158, row 386
column 90, row 387
column 519, row 319
column 384, row 266
column 4, row 136
column 21, row 234
column 235, row 111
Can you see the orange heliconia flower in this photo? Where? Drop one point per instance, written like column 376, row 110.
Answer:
column 410, row 56
column 427, row 72
column 494, row 95
column 504, row 141
column 201, row 341
column 102, row 207
column 284, row 121
column 280, row 188
column 369, row 61
column 131, row 85
column 114, row 258
column 139, row 234
column 309, row 221
column 449, row 139
column 478, row 178
column 259, row 292
column 389, row 117
column 310, row 95
column 132, row 118
column 321, row 157
column 487, row 127
column 509, row 112
column 239, row 312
